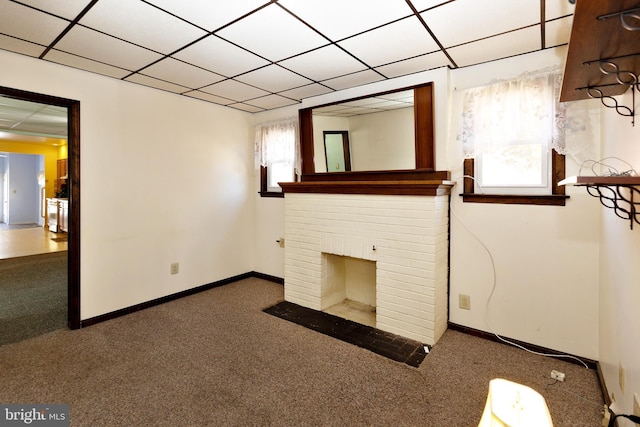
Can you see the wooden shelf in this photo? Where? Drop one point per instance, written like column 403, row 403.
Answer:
column 596, row 35
column 601, row 180
column 615, row 192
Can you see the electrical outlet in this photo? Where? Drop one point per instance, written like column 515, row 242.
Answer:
column 464, row 302
column 621, row 377
column 636, row 405
column 557, row 375
column 175, row 268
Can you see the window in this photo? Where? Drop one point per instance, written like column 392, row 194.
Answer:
column 276, row 146
column 514, row 169
column 514, row 131
column 279, row 172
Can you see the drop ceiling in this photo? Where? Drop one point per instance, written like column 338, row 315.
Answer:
column 257, row 55
column 27, row 121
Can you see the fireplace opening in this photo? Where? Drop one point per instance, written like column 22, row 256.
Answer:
column 349, row 289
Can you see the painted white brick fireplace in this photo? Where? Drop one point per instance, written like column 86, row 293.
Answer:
column 405, row 235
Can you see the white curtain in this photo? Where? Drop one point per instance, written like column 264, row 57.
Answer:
column 525, row 110
column 277, row 142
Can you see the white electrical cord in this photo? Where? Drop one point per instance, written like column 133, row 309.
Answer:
column 493, row 288
column 612, row 171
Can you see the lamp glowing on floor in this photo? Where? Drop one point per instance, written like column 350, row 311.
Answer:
column 511, row 404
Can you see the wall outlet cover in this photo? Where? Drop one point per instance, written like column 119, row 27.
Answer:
column 464, row 302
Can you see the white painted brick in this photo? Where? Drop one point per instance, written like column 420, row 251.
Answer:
column 393, row 293
column 423, row 333
column 410, row 235
column 407, row 309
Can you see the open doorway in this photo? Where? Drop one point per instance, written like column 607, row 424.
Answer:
column 71, row 111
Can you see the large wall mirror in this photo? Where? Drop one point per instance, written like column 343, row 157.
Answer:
column 386, row 132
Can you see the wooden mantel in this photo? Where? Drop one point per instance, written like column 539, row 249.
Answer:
column 416, row 183
column 413, row 188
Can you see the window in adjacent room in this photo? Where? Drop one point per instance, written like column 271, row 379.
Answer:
column 513, row 136
column 276, row 145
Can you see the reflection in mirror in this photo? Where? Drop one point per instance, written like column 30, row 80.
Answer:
column 380, row 132
column 336, row 151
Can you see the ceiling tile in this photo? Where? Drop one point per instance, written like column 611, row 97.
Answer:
column 155, row 83
column 415, row 65
column 400, row 40
column 208, row 14
column 422, row 5
column 45, row 119
column 273, row 34
column 462, row 21
column 271, row 101
column 498, row 47
column 208, row 97
column 245, row 107
column 214, row 54
column 558, row 31
column 19, row 46
column 81, row 63
column 69, row 9
column 181, row 73
column 26, row 116
column 140, row 23
column 335, row 62
column 352, row 80
column 273, row 78
column 28, row 24
column 234, row 90
column 338, row 19
column 100, row 47
column 556, row 9
column 306, row 91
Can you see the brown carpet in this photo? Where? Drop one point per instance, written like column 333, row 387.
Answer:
column 215, row 358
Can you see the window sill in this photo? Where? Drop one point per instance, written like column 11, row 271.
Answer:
column 514, row 199
column 271, row 194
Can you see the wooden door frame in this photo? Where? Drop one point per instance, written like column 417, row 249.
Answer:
column 73, row 147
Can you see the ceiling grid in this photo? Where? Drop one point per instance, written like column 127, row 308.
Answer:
column 257, row 55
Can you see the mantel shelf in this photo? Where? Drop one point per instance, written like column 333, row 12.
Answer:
column 614, row 192
column 400, row 187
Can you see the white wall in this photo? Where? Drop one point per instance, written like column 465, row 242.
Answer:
column 163, row 179
column 620, row 272
column 545, row 257
column 269, row 212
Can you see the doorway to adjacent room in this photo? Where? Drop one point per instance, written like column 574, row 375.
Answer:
column 26, row 245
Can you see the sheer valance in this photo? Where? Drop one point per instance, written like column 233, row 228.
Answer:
column 277, row 142
column 525, row 110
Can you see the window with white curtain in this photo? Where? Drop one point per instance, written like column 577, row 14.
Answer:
column 510, row 127
column 276, row 150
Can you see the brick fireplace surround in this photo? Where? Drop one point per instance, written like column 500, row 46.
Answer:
column 405, row 235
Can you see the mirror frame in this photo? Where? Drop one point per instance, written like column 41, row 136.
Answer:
column 424, row 141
